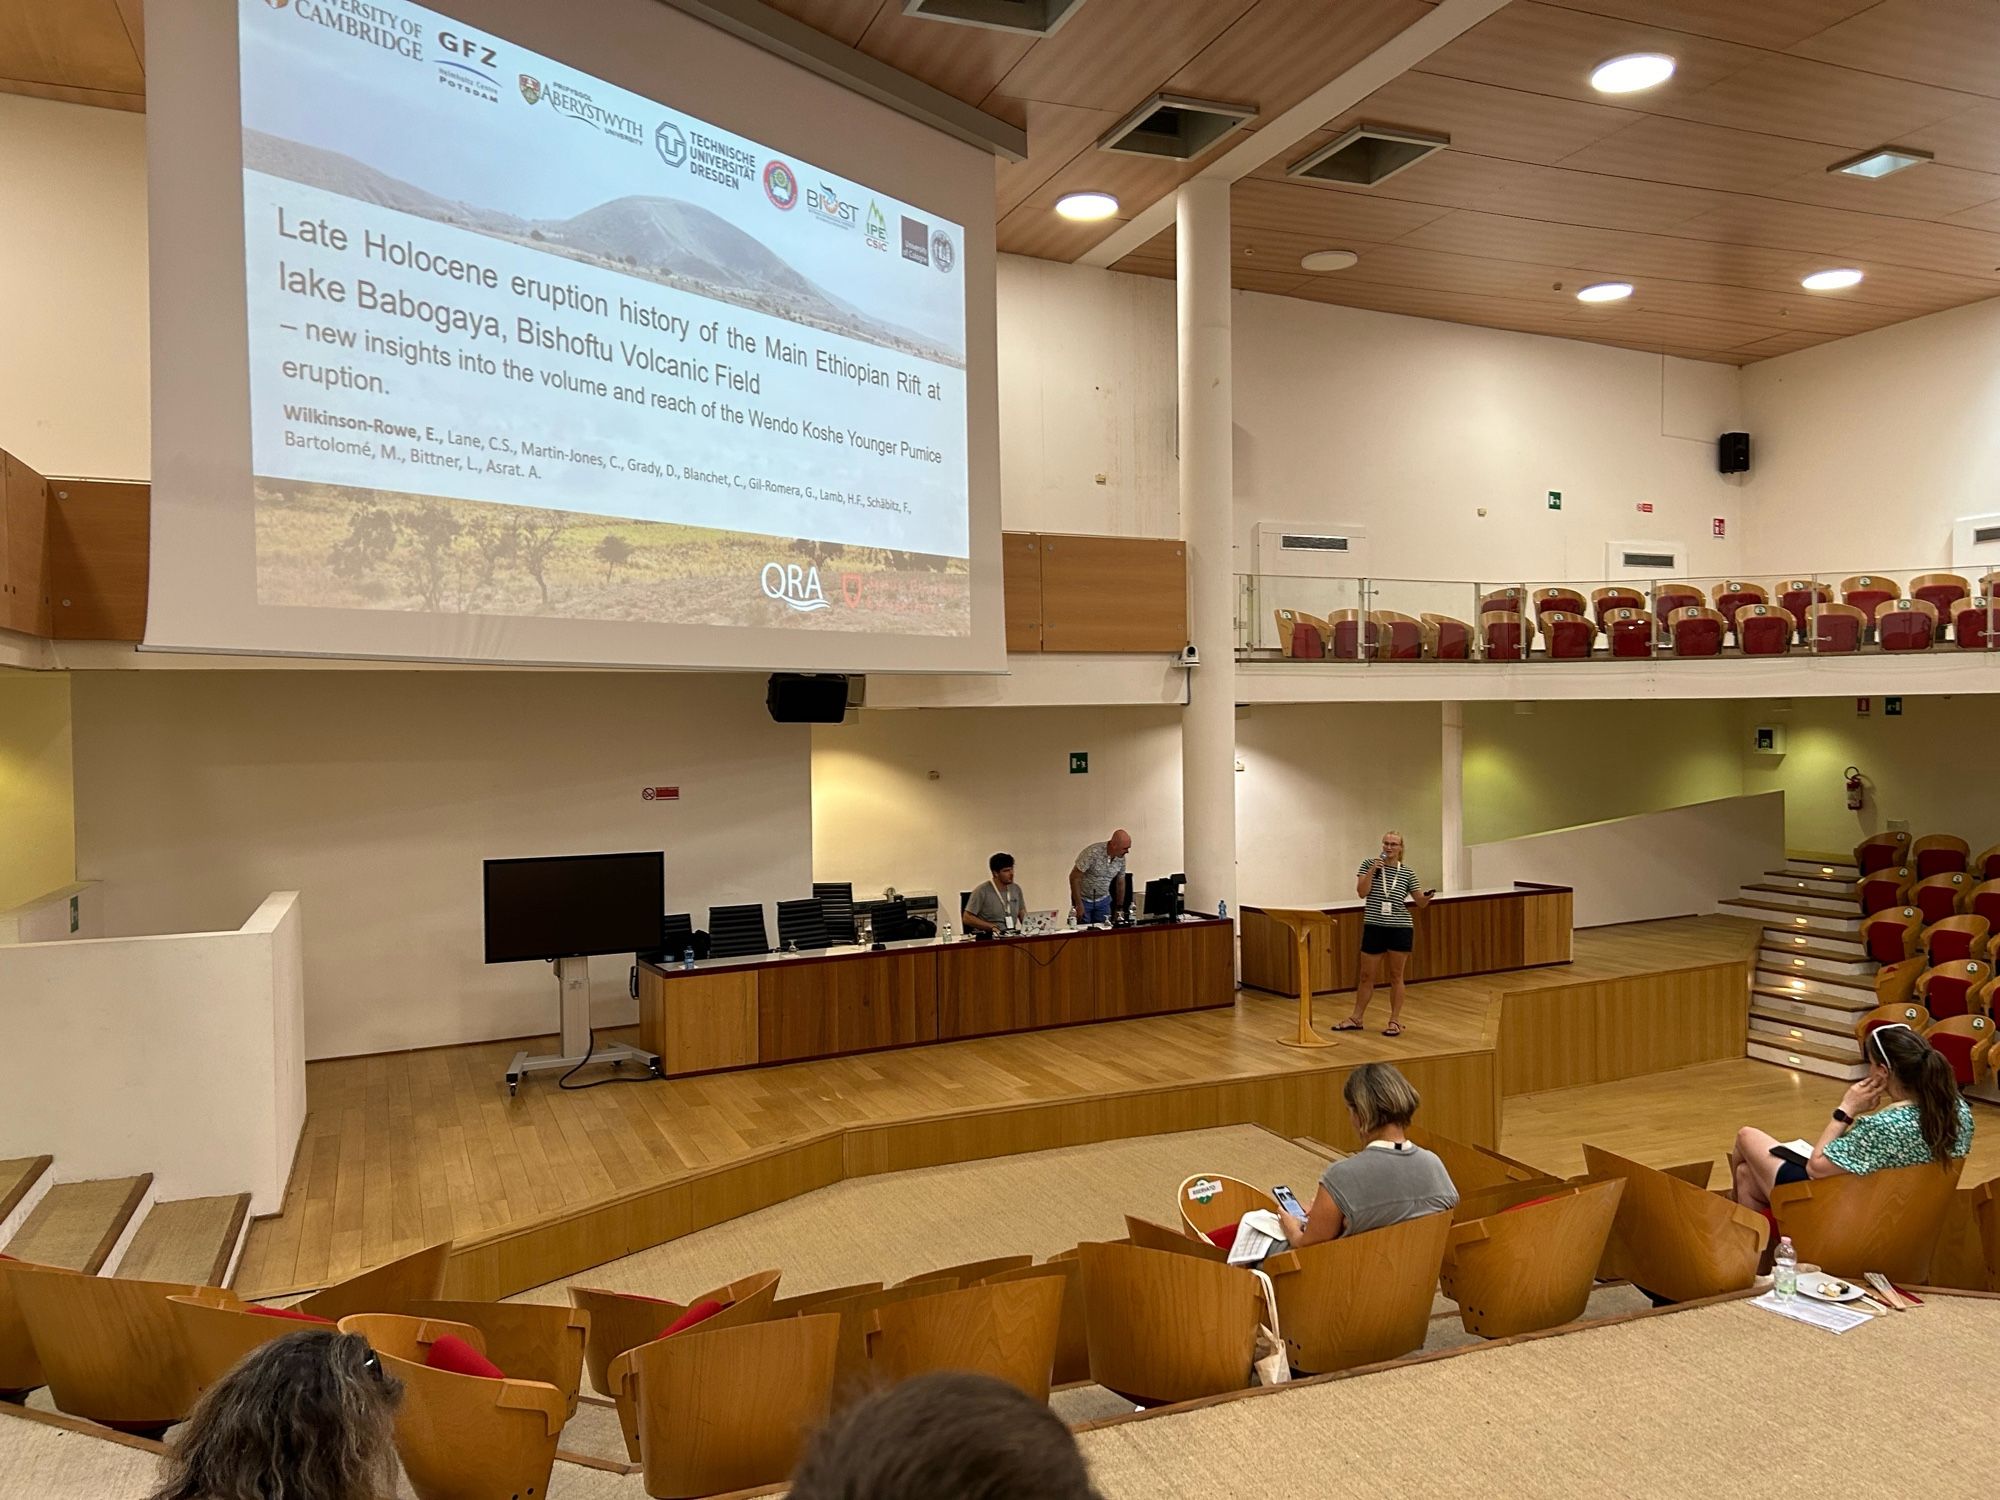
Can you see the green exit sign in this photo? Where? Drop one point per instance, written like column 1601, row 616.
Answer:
column 1079, row 763
column 1555, row 499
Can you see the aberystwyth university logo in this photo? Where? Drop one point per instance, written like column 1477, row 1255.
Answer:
column 531, row 88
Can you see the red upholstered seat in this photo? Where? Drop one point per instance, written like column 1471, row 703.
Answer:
column 1734, row 597
column 1306, row 641
column 1867, row 593
column 1454, row 637
column 1957, row 1050
column 1797, row 595
column 1604, row 601
column 1764, row 630
column 1397, row 637
column 1631, row 633
column 453, row 1355
column 1668, row 597
column 701, row 1312
column 1975, row 624
column 1946, row 990
column 1696, row 632
column 1349, row 637
column 1937, row 897
column 1882, row 889
column 1905, row 625
column 1939, row 854
column 1836, row 634
column 1569, row 635
column 1890, row 936
column 1223, row 1235
column 1503, row 636
column 1546, row 1198
column 286, row 1312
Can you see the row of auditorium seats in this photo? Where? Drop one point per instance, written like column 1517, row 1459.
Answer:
column 1963, row 1037
column 1678, row 620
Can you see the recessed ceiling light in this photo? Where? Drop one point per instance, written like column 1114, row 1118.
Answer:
column 1831, row 281
column 1328, row 260
column 1606, row 291
column 1086, row 207
column 1632, row 72
column 1881, row 161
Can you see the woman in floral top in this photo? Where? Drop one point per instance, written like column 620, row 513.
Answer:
column 1905, row 1113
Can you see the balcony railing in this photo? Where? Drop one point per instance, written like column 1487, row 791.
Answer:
column 1299, row 619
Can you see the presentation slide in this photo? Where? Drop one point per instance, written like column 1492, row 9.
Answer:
column 523, row 343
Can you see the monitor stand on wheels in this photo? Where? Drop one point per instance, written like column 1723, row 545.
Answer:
column 573, row 986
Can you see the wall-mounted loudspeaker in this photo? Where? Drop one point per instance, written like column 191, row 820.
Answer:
column 1732, row 453
column 799, row 698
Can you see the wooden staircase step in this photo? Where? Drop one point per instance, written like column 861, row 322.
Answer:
column 1770, row 974
column 18, row 1178
column 1832, row 1027
column 1832, row 1004
column 1842, row 874
column 1818, row 948
column 1792, row 909
column 78, row 1224
column 1819, row 1049
column 190, row 1240
column 1837, row 904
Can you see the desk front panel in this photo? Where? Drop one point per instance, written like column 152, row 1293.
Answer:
column 1481, row 934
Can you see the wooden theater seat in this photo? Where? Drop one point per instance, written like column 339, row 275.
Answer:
column 1604, row 601
column 1890, row 935
column 1696, row 631
column 1940, row 591
column 463, row 1437
column 1734, row 595
column 1557, row 601
column 1881, row 889
column 1835, row 629
column 1568, row 635
column 1349, row 636
column 1880, row 1221
column 1960, row 937
column 1985, row 865
column 971, row 1271
column 858, row 1316
column 1210, row 1201
column 108, row 1347
column 530, row 1341
column 1954, row 989
column 1473, row 1168
column 805, row 1302
column 1986, row 1212
column 1072, row 1356
column 624, row 1320
column 1530, row 1265
column 731, row 1409
column 1287, row 623
column 1797, row 596
column 1868, row 592
column 1165, row 1328
column 1975, row 623
column 1360, row 1298
column 1940, row 854
column 1673, row 1239
column 1445, row 637
column 1906, row 625
column 218, row 1330
column 1397, row 637
column 742, row 1302
column 1007, row 1330
column 1896, row 984
column 1984, row 900
column 1765, row 629
column 20, row 1370
column 1942, row 895
column 1966, row 1042
column 1897, row 1013
column 1629, row 631
column 1882, row 851
column 389, row 1288
column 1502, row 635
column 1150, row 1236
column 1505, row 601
column 1671, row 596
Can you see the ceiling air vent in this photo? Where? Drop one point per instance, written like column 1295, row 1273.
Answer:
column 1174, row 126
column 1293, row 542
column 1366, row 155
column 1036, row 17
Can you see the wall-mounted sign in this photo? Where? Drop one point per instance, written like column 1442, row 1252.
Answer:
column 661, row 794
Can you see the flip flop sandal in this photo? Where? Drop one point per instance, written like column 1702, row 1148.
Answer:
column 1394, row 1028
column 1350, row 1025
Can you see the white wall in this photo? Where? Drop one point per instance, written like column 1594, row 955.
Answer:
column 378, row 794
column 73, row 385
column 193, row 1037
column 1671, row 863
column 1865, row 450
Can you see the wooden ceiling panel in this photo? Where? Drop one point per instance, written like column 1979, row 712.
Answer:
column 1454, row 307
column 1433, row 270
column 1325, row 213
column 843, row 20
column 1546, row 50
column 79, row 44
column 1813, row 101
column 1954, row 44
column 1655, row 149
column 1968, row 139
column 1934, row 247
column 1985, row 216
column 1783, row 343
column 964, row 61
column 1775, row 24
column 1282, row 50
column 1479, row 118
column 1057, row 135
column 1454, row 180
column 1111, row 54
column 1926, row 192
column 1744, row 220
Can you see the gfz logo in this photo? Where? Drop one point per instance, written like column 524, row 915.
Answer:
column 794, row 586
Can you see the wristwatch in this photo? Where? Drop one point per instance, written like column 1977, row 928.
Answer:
column 1842, row 1115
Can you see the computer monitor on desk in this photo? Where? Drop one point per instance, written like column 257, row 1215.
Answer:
column 1165, row 898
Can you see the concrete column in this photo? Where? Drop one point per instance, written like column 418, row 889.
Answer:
column 1208, row 724
column 1452, row 799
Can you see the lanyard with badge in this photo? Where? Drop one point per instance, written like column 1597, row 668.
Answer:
column 1385, row 889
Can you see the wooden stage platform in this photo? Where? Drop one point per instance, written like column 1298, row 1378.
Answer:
column 406, row 1149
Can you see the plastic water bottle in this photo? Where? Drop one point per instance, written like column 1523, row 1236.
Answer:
column 1222, row 910
column 1072, row 919
column 947, row 932
column 1785, row 1271
column 687, row 956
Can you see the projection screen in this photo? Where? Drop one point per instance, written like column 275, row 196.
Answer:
column 560, row 334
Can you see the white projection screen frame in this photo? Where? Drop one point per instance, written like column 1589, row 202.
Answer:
column 414, row 592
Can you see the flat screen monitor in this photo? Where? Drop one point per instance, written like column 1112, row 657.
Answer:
column 568, row 906
column 1163, row 897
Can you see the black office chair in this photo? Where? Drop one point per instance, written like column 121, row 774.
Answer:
column 737, row 931
column 836, row 902
column 892, row 919
column 676, row 937
column 804, row 923
column 964, row 900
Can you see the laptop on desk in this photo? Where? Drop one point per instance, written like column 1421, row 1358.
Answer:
column 1038, row 921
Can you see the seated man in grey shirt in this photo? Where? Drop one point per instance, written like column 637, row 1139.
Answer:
column 997, row 899
column 1389, row 1179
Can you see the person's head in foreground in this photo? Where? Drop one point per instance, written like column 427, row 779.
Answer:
column 951, row 1436
column 308, row 1417
column 1380, row 1100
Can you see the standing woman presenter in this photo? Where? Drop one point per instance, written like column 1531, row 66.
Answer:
column 1387, row 888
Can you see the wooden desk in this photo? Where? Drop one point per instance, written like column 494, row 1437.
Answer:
column 746, row 1012
column 1468, row 932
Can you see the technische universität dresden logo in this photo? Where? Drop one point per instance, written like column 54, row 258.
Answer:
column 672, row 145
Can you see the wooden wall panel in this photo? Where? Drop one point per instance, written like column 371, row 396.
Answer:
column 24, row 568
column 1113, row 594
column 699, row 1022
column 1567, row 1035
column 985, row 988
column 100, row 545
column 1475, row 935
column 1021, row 588
column 1548, row 928
column 819, row 1008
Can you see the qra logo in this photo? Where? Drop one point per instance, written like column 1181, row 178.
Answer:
column 794, row 586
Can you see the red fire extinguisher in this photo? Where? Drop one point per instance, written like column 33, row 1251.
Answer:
column 1854, row 789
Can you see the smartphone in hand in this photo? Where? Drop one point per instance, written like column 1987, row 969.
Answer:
column 1288, row 1202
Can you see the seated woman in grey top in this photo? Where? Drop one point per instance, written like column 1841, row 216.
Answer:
column 1389, row 1179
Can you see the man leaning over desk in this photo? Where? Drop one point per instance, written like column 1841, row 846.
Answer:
column 1098, row 884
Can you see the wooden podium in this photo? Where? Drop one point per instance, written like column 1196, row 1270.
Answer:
column 1305, row 924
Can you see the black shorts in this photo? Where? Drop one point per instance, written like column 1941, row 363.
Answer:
column 1790, row 1171
column 1378, row 938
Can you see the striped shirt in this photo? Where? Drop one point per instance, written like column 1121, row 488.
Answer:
column 1387, row 893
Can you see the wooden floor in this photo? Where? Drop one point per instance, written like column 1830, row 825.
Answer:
column 407, row 1149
